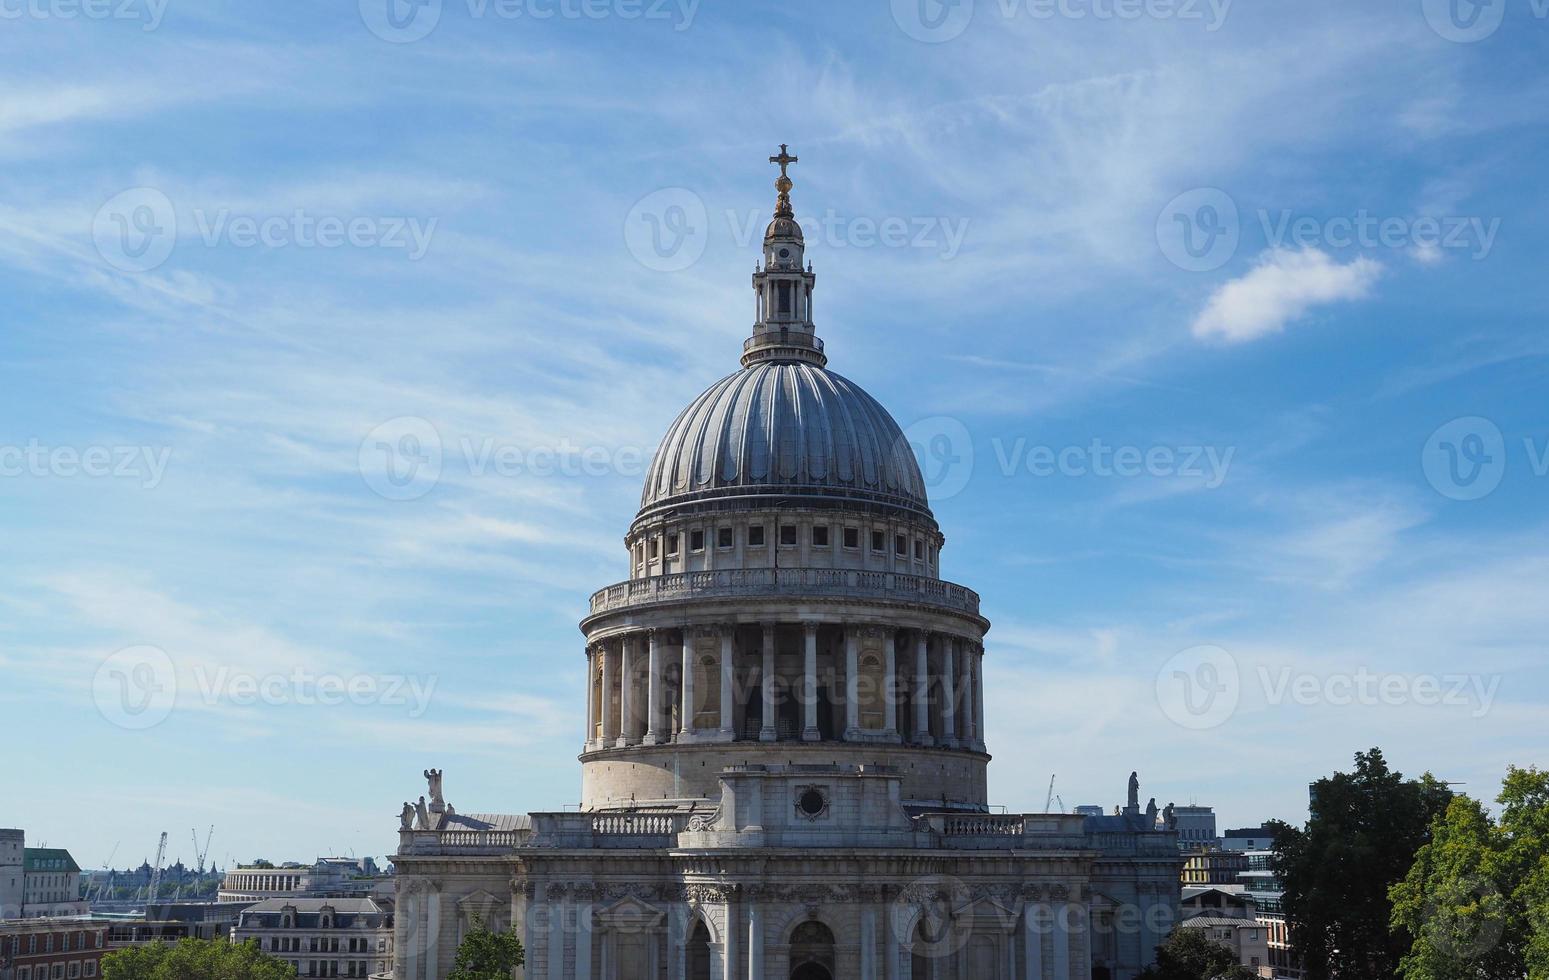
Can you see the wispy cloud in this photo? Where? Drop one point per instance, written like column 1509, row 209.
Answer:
column 1280, row 289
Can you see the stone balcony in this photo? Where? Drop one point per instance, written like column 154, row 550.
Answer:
column 760, row 583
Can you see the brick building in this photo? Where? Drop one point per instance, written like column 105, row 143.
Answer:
column 52, row 949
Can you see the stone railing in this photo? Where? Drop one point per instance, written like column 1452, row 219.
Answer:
column 983, row 825
column 748, row 583
column 459, row 841
column 608, row 830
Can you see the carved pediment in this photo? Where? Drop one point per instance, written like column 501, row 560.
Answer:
column 631, row 913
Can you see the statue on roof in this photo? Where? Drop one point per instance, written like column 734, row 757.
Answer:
column 437, row 802
column 1134, row 792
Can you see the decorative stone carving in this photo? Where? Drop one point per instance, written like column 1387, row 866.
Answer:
column 437, row 802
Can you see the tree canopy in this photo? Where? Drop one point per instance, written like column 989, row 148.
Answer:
column 1189, row 954
column 194, row 959
column 1476, row 900
column 1364, row 830
column 486, row 955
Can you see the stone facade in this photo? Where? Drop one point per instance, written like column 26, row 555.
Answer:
column 784, row 758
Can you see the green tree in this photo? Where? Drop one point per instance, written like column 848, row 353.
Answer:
column 194, row 959
column 1188, row 954
column 1363, row 832
column 1476, row 900
column 486, row 955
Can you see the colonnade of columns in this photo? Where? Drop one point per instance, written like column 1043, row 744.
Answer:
column 657, row 686
column 1046, row 941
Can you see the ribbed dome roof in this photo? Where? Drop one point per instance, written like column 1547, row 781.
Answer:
column 785, row 428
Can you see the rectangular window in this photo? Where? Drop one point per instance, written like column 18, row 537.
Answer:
column 783, row 290
column 877, row 541
column 755, row 536
column 672, row 544
column 852, row 537
column 919, row 550
column 820, row 535
column 723, row 537
column 655, row 549
column 696, row 541
column 787, row 534
column 900, row 545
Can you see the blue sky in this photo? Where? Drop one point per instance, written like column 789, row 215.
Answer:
column 240, row 245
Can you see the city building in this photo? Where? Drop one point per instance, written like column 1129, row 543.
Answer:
column 1212, row 867
column 322, row 937
column 1248, row 839
column 171, row 921
column 52, row 884
column 13, row 845
column 1260, row 882
column 51, row 949
column 324, row 878
column 1196, row 827
column 784, row 761
column 1246, row 938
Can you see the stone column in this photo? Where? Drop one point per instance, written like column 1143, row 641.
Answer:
column 979, row 693
column 686, row 706
column 729, row 969
column 755, row 941
column 869, row 944
column 610, row 727
column 626, row 691
column 922, row 690
column 890, row 681
column 809, row 685
column 590, row 731
column 767, row 733
column 1032, row 941
column 556, row 941
column 583, row 939
column 852, row 684
column 653, row 709
column 948, row 690
column 1061, row 957
column 728, row 710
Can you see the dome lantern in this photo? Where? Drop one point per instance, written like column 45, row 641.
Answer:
column 782, row 328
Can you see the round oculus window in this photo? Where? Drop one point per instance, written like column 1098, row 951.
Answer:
column 812, row 802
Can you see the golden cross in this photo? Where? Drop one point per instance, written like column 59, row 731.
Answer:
column 784, row 159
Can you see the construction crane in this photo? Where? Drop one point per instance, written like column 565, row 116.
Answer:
column 107, row 872
column 200, row 853
column 161, row 852
column 1048, row 800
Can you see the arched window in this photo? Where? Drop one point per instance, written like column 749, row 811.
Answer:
column 812, row 952
column 699, row 952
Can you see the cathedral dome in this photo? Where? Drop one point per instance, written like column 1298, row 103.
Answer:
column 782, row 429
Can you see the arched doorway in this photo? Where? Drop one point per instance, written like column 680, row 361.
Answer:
column 699, row 952
column 812, row 952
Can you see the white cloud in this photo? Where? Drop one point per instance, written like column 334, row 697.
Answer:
column 1279, row 289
